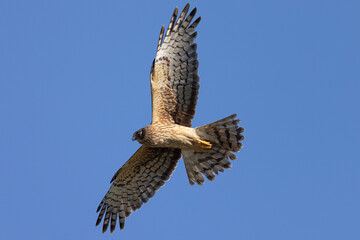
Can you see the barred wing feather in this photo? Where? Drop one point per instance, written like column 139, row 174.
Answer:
column 135, row 183
column 174, row 73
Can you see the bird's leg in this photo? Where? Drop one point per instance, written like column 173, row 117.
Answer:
column 205, row 144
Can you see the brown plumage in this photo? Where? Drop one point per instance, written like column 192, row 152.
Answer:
column 174, row 91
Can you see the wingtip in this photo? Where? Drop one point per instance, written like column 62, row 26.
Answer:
column 176, row 10
column 122, row 224
column 105, row 226
column 162, row 31
column 186, row 8
column 98, row 221
column 193, row 12
column 100, row 205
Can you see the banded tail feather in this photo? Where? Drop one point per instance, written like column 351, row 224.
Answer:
column 225, row 137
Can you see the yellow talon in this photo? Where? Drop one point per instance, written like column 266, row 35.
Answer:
column 205, row 144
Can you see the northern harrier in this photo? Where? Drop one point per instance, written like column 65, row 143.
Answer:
column 174, row 90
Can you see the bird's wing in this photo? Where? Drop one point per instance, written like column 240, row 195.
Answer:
column 135, row 182
column 174, row 72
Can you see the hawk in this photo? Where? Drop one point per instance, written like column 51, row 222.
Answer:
column 206, row 150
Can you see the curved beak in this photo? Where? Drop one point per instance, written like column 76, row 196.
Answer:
column 134, row 137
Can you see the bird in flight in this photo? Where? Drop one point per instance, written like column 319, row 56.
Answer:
column 206, row 150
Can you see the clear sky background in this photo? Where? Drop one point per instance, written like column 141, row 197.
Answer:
column 74, row 86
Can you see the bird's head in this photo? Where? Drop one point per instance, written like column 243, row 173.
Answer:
column 139, row 135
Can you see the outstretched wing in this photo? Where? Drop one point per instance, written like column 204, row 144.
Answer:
column 174, row 73
column 135, row 182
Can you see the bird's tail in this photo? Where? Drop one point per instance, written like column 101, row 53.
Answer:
column 224, row 136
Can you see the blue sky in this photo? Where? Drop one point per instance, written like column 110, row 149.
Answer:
column 74, row 86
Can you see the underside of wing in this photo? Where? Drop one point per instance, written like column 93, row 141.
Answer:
column 174, row 73
column 135, row 183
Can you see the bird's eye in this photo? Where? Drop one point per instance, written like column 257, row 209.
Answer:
column 140, row 134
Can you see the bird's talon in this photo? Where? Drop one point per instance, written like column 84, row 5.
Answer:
column 205, row 144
